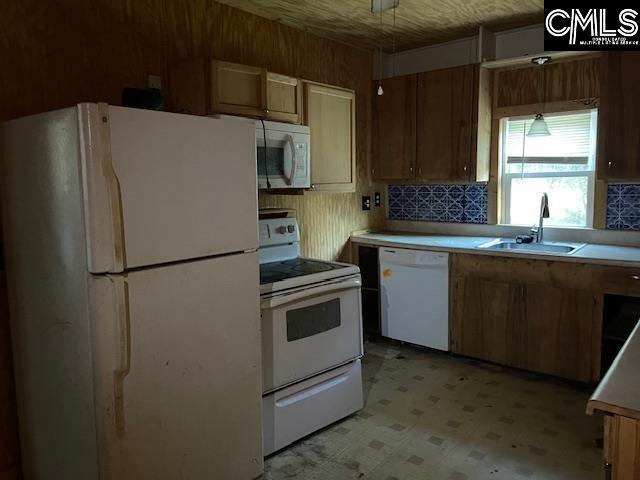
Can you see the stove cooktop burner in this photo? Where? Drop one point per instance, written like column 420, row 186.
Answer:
column 297, row 267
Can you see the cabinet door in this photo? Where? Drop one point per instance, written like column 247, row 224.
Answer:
column 394, row 129
column 445, row 112
column 619, row 116
column 238, row 89
column 485, row 319
column 284, row 98
column 561, row 329
column 330, row 114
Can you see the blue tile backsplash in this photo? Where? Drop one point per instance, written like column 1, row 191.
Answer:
column 623, row 207
column 468, row 204
column 439, row 203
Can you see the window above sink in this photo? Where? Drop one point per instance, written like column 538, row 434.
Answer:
column 561, row 164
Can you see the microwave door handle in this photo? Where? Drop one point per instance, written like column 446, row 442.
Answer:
column 294, row 160
column 280, row 300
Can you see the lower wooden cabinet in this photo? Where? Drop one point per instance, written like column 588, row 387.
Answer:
column 622, row 447
column 528, row 322
column 560, row 332
column 483, row 320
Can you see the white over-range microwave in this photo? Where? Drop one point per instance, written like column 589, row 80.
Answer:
column 283, row 152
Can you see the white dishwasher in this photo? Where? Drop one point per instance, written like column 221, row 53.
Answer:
column 414, row 296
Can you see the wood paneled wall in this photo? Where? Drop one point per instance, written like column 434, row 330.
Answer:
column 58, row 53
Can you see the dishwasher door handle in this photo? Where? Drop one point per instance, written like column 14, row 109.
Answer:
column 417, row 265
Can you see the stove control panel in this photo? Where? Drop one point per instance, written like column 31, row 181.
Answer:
column 278, row 231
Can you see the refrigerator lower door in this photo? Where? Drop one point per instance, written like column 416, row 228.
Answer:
column 177, row 368
column 163, row 187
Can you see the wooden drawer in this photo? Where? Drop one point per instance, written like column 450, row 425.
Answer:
column 574, row 275
column 620, row 280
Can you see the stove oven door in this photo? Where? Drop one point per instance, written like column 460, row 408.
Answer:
column 310, row 330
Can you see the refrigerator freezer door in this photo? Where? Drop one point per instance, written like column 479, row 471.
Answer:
column 163, row 187
column 177, row 368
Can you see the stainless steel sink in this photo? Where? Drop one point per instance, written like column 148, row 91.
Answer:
column 544, row 247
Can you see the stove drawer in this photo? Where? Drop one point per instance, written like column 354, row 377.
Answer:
column 309, row 331
column 298, row 410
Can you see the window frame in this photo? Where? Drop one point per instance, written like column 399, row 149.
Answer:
column 505, row 179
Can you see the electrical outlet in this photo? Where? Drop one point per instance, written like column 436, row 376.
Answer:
column 366, row 202
column 377, row 199
column 154, row 81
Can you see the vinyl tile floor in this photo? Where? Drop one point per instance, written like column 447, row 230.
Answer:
column 432, row 416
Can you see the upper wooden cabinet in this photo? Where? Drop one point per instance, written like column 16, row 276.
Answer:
column 454, row 124
column 330, row 113
column 284, row 98
column 238, row 89
column 394, row 129
column 434, row 127
column 204, row 87
column 445, row 124
column 562, row 86
column 619, row 116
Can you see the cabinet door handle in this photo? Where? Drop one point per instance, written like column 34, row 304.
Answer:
column 609, row 165
column 634, row 277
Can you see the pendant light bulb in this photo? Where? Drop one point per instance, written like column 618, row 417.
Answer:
column 380, row 90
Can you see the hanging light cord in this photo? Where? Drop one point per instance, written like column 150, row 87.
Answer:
column 393, row 44
column 380, row 54
column 544, row 87
column 524, row 139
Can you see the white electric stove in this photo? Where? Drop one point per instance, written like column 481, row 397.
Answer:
column 311, row 336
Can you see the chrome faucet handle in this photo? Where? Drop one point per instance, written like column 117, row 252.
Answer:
column 535, row 231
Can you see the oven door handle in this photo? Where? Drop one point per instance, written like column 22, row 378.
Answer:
column 280, row 300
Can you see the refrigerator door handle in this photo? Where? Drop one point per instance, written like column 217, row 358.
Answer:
column 101, row 192
column 124, row 351
column 115, row 197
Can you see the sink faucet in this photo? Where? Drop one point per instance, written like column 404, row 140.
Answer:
column 544, row 213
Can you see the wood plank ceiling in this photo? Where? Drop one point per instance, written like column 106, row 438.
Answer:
column 418, row 22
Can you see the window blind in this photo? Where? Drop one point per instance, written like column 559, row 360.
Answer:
column 569, row 142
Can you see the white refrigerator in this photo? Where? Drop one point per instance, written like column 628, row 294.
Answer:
column 130, row 241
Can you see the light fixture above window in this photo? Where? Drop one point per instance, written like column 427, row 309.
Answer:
column 539, row 126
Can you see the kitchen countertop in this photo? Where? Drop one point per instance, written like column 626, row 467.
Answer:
column 590, row 253
column 619, row 391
